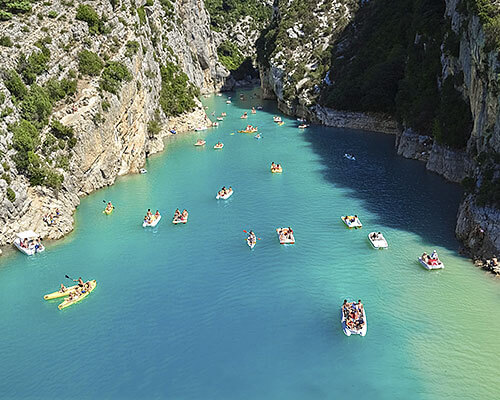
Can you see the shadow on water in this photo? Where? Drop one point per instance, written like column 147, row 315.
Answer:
column 401, row 192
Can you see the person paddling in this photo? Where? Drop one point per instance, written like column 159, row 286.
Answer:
column 80, row 281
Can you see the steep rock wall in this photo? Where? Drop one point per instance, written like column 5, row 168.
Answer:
column 111, row 130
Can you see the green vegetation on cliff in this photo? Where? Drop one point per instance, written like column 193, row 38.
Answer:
column 229, row 12
column 177, row 93
column 389, row 61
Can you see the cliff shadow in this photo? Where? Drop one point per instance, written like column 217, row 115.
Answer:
column 400, row 192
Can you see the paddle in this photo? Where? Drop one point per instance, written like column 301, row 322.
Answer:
column 247, row 233
column 105, row 202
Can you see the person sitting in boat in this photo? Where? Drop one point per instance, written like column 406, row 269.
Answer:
column 80, row 281
column 184, row 214
column 251, row 237
column 289, row 233
column 63, row 288
column 434, row 255
column 177, row 213
column 157, row 214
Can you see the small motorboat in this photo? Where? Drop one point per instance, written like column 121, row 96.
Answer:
column 200, row 142
column 276, row 119
column 224, row 196
column 152, row 222
column 284, row 236
column 29, row 243
column 349, row 157
column 200, row 128
column 228, row 101
column 219, row 145
column 351, row 221
column 430, row 262
column 351, row 329
column 378, row 240
column 303, row 126
column 143, row 171
column 220, row 119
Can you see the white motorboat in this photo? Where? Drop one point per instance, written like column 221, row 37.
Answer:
column 430, row 263
column 351, row 221
column 152, row 223
column 143, row 171
column 28, row 242
column 350, row 157
column 219, row 146
column 228, row 101
column 200, row 142
column 377, row 240
column 277, row 119
column 352, row 330
column 200, row 128
column 303, row 126
column 284, row 237
column 220, row 118
column 226, row 196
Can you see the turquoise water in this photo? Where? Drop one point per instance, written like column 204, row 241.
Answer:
column 190, row 312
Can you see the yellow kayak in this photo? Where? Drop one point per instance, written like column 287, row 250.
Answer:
column 276, row 170
column 107, row 212
column 58, row 294
column 68, row 302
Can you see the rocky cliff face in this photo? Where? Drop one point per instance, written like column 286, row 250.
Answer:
column 292, row 72
column 111, row 130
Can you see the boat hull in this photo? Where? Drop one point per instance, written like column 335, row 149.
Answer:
column 431, row 267
column 152, row 224
column 378, row 243
column 67, row 303
column 356, row 224
column 225, row 197
column 58, row 294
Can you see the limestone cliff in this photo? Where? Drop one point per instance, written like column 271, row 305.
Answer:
column 115, row 127
column 437, row 66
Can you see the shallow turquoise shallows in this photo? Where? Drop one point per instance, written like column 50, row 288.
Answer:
column 190, row 312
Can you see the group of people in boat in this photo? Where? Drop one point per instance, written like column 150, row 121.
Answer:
column 351, row 219
column 180, row 216
column 275, row 167
column 376, row 235
column 286, row 233
column 49, row 219
column 109, row 207
column 225, row 191
column 277, row 119
column 31, row 244
column 250, row 129
column 82, row 288
column 251, row 237
column 433, row 259
column 353, row 315
column 219, row 145
column 150, row 217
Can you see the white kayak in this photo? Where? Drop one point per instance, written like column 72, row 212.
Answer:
column 351, row 221
column 250, row 243
column 152, row 223
column 377, row 240
column 353, row 331
column 283, row 237
column 431, row 264
column 225, row 197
